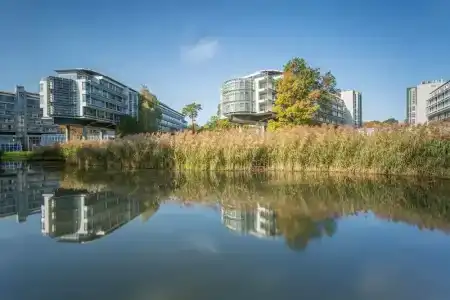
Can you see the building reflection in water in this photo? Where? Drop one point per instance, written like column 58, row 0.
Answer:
column 22, row 187
column 79, row 216
column 258, row 221
column 66, row 215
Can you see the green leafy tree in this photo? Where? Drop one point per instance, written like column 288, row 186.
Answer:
column 391, row 121
column 128, row 125
column 300, row 93
column 215, row 123
column 191, row 111
column 149, row 112
column 148, row 119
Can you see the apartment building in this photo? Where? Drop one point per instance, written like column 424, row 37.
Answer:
column 416, row 100
column 22, row 119
column 353, row 103
column 438, row 105
column 255, row 94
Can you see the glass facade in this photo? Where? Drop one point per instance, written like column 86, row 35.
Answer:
column 83, row 93
column 22, row 116
column 171, row 120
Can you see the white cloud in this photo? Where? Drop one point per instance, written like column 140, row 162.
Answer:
column 203, row 50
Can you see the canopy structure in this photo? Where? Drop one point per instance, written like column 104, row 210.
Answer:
column 250, row 119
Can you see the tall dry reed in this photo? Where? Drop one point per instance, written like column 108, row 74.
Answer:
column 422, row 150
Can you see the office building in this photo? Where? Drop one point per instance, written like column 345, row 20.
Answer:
column 251, row 94
column 86, row 94
column 438, row 105
column 416, row 101
column 93, row 97
column 171, row 120
column 251, row 98
column 22, row 119
column 353, row 103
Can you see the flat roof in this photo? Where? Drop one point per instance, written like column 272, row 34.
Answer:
column 440, row 86
column 93, row 73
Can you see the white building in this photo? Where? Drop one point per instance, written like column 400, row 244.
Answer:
column 255, row 94
column 353, row 102
column 438, row 105
column 251, row 94
column 86, row 94
column 416, row 100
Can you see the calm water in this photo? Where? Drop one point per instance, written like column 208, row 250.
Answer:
column 146, row 235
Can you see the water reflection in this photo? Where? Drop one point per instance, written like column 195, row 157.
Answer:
column 80, row 207
column 265, row 235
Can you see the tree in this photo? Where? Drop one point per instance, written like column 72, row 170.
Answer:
column 300, row 93
column 191, row 111
column 128, row 125
column 149, row 111
column 215, row 123
column 390, row 121
column 148, row 119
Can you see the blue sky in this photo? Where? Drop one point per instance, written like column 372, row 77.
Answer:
column 184, row 50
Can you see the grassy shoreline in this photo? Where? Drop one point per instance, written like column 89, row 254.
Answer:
column 27, row 156
column 422, row 150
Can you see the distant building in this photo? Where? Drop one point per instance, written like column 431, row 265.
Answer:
column 171, row 120
column 438, row 105
column 416, row 101
column 353, row 102
column 22, row 119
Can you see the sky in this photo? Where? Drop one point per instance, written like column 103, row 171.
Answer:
column 184, row 50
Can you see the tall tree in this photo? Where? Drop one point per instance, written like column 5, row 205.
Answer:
column 148, row 119
column 149, row 112
column 191, row 111
column 300, row 93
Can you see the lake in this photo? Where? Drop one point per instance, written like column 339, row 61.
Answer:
column 68, row 234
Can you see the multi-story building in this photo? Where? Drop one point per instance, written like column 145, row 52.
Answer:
column 89, row 95
column 255, row 94
column 22, row 119
column 353, row 102
column 171, row 120
column 86, row 94
column 416, row 101
column 438, row 105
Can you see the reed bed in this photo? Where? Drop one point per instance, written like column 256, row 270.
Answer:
column 421, row 150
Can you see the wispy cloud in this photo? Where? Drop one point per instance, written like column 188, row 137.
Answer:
column 203, row 50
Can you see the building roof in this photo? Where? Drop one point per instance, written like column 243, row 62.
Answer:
column 271, row 72
column 93, row 73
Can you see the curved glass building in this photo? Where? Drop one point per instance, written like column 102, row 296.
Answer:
column 251, row 94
